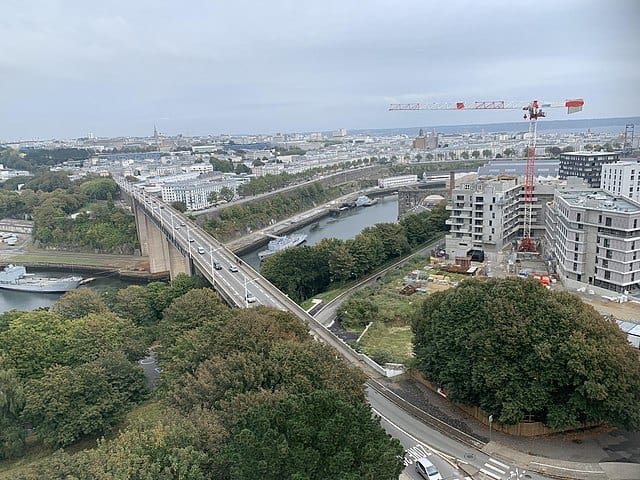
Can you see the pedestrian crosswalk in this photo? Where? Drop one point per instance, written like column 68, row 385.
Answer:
column 494, row 469
column 414, row 453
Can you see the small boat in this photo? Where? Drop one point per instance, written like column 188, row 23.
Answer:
column 315, row 226
column 15, row 277
column 364, row 201
column 281, row 243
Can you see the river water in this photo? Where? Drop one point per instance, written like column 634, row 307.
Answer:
column 347, row 225
column 10, row 300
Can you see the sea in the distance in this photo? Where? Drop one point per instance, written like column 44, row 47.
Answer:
column 595, row 125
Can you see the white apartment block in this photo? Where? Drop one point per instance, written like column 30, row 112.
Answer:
column 594, row 239
column 195, row 195
column 622, row 179
column 487, row 214
column 201, row 168
column 400, row 181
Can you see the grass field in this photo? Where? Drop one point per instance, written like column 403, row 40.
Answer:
column 391, row 344
column 389, row 339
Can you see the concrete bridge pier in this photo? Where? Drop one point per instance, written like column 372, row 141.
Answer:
column 163, row 255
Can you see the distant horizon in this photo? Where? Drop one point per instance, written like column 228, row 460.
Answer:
column 542, row 125
column 117, row 68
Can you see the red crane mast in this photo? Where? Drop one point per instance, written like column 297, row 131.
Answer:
column 533, row 111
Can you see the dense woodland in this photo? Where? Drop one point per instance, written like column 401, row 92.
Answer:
column 40, row 159
column 522, row 352
column 51, row 200
column 305, row 271
column 243, row 393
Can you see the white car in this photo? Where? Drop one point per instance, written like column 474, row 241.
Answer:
column 233, row 268
column 427, row 470
column 250, row 298
column 201, row 250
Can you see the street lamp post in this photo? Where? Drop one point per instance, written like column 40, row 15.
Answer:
column 246, row 302
column 213, row 275
column 490, row 424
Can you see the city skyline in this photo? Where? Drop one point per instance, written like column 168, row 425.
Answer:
column 116, row 69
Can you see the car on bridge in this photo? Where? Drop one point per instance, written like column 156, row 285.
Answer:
column 201, row 250
column 217, row 266
column 233, row 268
column 250, row 298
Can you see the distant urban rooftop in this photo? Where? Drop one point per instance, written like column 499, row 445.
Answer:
column 590, row 154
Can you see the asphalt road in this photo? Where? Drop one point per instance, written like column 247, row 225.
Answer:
column 454, row 460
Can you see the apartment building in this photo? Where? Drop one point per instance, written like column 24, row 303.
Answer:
column 622, row 178
column 195, row 194
column 586, row 165
column 594, row 239
column 487, row 214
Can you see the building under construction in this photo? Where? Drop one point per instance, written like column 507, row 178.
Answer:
column 487, row 215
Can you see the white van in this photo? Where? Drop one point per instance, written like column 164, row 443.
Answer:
column 427, row 470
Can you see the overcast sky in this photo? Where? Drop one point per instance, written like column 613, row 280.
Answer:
column 197, row 67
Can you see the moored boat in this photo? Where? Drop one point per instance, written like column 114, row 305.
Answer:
column 15, row 277
column 364, row 201
column 281, row 243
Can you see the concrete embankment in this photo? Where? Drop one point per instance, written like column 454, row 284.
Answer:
column 126, row 267
column 257, row 239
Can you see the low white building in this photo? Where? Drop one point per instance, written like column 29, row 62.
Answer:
column 201, row 168
column 400, row 181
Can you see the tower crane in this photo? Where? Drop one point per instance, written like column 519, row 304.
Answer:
column 532, row 111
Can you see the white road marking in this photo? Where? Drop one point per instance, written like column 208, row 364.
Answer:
column 498, row 463
column 491, row 474
column 401, row 429
column 488, row 465
column 414, row 453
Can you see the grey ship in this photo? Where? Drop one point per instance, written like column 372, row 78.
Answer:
column 15, row 277
column 280, row 243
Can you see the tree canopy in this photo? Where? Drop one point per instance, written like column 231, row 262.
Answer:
column 319, row 435
column 303, row 272
column 520, row 351
column 231, row 379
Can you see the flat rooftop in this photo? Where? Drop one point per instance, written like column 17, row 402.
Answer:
column 600, row 200
column 591, row 154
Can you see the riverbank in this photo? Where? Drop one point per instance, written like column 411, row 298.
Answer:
column 126, row 267
column 259, row 238
column 137, row 267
